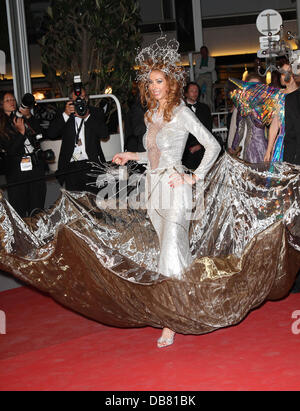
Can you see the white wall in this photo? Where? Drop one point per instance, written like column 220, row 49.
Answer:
column 213, row 8
column 227, row 40
column 243, row 39
column 151, row 11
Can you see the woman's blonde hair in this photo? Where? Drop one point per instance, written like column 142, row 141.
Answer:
column 175, row 85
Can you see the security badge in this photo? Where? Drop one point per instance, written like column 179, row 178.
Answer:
column 78, row 150
column 26, row 163
column 78, row 143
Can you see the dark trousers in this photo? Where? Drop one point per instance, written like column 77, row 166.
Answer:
column 26, row 197
column 76, row 177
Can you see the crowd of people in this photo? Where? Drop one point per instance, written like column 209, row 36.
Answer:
column 168, row 128
column 25, row 168
column 22, row 160
column 81, row 137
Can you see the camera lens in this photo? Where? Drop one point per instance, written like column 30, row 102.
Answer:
column 49, row 155
column 81, row 107
column 28, row 101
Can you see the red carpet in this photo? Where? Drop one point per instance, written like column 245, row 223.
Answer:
column 47, row 347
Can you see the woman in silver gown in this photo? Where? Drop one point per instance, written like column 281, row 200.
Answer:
column 168, row 188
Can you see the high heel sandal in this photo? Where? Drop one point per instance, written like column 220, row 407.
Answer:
column 163, row 342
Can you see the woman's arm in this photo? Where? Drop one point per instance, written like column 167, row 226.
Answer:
column 14, row 144
column 205, row 138
column 56, row 127
column 232, row 128
column 212, row 149
column 273, row 132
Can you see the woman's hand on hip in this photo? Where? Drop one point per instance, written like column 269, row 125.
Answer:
column 177, row 179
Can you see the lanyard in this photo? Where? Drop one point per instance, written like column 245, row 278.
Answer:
column 78, row 130
column 27, row 145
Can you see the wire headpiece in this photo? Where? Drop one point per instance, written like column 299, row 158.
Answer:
column 163, row 53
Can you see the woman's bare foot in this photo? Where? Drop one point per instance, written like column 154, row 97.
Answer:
column 166, row 338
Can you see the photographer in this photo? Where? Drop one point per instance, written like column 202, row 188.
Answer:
column 22, row 163
column 81, row 128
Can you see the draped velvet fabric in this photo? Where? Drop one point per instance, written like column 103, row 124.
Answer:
column 102, row 263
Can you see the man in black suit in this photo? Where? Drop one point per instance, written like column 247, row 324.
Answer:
column 291, row 153
column 135, row 127
column 194, row 151
column 81, row 137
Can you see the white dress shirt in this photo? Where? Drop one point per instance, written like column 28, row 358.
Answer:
column 79, row 153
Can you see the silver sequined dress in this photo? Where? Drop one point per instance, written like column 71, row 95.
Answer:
column 169, row 208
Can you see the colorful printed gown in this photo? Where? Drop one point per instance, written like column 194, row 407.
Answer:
column 262, row 102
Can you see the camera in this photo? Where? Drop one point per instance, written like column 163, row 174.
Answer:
column 39, row 155
column 47, row 156
column 28, row 102
column 80, row 104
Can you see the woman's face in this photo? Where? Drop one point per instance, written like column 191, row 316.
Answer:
column 158, row 85
column 9, row 103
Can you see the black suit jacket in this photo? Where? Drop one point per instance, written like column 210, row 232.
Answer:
column 14, row 149
column 291, row 152
column 192, row 160
column 135, row 128
column 95, row 130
